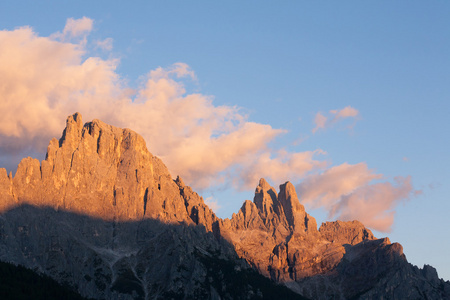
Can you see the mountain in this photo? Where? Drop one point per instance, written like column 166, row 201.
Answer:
column 103, row 215
column 18, row 282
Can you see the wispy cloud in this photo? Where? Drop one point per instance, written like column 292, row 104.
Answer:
column 374, row 204
column 325, row 121
column 326, row 189
column 106, row 44
column 212, row 204
column 351, row 192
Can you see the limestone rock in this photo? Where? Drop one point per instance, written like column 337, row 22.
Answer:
column 104, row 215
column 342, row 260
column 295, row 213
column 7, row 197
column 102, row 171
column 196, row 208
column 352, row 232
column 266, row 202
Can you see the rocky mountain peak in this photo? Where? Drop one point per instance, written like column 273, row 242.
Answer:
column 117, row 215
column 295, row 213
column 102, row 171
column 72, row 133
column 266, row 201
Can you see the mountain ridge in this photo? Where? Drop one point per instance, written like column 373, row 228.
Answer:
column 107, row 173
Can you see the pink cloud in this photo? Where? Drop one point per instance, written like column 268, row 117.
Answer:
column 75, row 28
column 322, row 121
column 41, row 80
column 45, row 79
column 326, row 189
column 285, row 166
column 212, row 204
column 106, row 44
column 374, row 204
column 347, row 112
column 348, row 192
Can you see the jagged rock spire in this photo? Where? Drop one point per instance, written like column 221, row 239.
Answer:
column 72, row 133
column 266, row 201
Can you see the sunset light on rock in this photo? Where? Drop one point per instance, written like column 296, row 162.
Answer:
column 137, row 132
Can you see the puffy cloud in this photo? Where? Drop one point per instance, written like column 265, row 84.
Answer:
column 42, row 80
column 45, row 79
column 347, row 192
column 323, row 122
column 194, row 138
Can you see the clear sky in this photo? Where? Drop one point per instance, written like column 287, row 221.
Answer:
column 349, row 100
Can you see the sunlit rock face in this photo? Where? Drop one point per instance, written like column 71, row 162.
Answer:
column 101, row 171
column 103, row 215
column 350, row 233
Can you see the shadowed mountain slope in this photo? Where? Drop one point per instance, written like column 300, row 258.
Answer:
column 18, row 283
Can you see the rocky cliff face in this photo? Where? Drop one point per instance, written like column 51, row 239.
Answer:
column 100, row 171
column 102, row 214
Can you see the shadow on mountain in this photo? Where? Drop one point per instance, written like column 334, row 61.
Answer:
column 18, row 283
column 145, row 259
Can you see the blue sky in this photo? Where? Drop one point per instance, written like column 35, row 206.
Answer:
column 270, row 70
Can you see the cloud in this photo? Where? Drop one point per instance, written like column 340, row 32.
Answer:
column 325, row 189
column 324, row 122
column 374, row 204
column 45, row 79
column 41, row 80
column 285, row 166
column 348, row 192
column 347, row 112
column 212, row 204
column 75, row 28
column 106, row 44
column 320, row 121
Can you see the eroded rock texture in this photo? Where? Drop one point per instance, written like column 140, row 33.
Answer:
column 103, row 215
